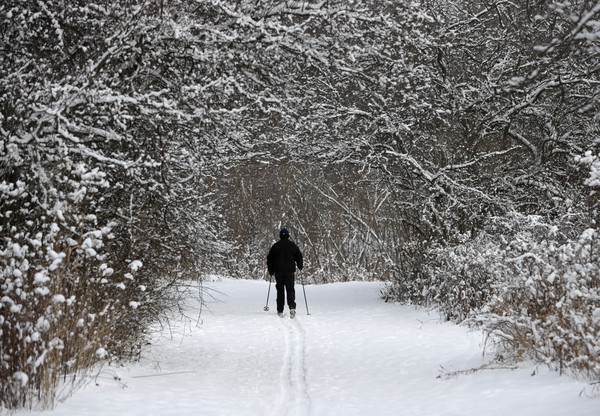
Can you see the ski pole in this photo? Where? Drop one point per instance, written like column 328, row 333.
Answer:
column 266, row 308
column 304, row 291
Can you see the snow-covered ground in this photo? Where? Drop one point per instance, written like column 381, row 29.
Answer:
column 354, row 355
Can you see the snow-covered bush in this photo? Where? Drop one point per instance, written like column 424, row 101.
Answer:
column 407, row 278
column 533, row 287
column 460, row 279
column 61, row 291
column 534, row 292
column 549, row 307
column 463, row 278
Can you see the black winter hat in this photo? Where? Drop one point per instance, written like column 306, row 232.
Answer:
column 284, row 233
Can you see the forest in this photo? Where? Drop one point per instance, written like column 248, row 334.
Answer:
column 448, row 147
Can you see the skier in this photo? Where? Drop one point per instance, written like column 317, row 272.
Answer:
column 282, row 259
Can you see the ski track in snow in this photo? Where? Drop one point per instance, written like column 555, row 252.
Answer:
column 294, row 399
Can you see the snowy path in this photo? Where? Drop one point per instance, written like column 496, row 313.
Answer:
column 355, row 355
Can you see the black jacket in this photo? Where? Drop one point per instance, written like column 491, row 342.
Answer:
column 283, row 257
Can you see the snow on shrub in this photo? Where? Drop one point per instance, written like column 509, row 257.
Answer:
column 56, row 309
column 463, row 278
column 547, row 310
column 535, row 295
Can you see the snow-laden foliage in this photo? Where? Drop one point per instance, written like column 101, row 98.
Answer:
column 456, row 280
column 548, row 308
column 336, row 70
column 103, row 200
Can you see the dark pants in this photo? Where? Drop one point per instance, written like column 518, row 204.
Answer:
column 285, row 283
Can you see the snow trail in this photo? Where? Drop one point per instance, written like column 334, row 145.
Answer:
column 353, row 356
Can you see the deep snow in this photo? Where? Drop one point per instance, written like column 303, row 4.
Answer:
column 354, row 355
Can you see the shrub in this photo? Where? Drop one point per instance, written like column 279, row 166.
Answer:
column 550, row 308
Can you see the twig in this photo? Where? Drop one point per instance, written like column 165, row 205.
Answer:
column 164, row 374
column 446, row 375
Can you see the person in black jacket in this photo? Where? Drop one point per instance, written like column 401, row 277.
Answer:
column 282, row 259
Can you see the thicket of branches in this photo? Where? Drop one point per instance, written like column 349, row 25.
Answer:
column 342, row 218
column 440, row 145
column 105, row 186
column 506, row 209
